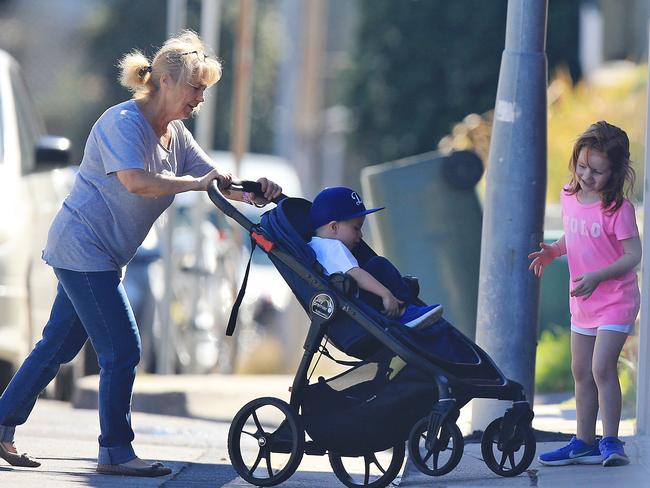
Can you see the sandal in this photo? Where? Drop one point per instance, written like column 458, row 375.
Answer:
column 151, row 471
column 23, row 460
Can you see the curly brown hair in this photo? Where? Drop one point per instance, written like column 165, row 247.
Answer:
column 613, row 142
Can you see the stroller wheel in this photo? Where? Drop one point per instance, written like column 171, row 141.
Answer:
column 507, row 458
column 266, row 441
column 371, row 470
column 447, row 449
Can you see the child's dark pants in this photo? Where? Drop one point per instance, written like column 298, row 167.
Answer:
column 388, row 275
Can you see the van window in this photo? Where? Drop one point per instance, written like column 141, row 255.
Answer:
column 29, row 129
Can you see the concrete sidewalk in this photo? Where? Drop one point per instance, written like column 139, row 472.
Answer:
column 219, row 397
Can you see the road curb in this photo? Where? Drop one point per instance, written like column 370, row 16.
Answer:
column 214, row 397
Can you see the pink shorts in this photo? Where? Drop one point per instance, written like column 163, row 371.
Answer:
column 592, row 331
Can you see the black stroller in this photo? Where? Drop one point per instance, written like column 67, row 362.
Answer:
column 407, row 386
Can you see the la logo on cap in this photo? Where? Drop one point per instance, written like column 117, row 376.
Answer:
column 357, row 199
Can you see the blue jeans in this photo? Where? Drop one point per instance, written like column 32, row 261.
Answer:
column 87, row 304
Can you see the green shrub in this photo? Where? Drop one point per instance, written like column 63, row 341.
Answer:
column 627, row 378
column 553, row 363
column 627, row 374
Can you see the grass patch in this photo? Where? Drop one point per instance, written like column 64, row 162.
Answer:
column 553, row 362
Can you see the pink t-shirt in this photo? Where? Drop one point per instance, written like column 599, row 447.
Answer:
column 593, row 241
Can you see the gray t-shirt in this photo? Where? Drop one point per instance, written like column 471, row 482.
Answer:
column 101, row 224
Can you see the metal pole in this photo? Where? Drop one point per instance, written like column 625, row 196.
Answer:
column 242, row 90
column 176, row 16
column 210, row 26
column 309, row 113
column 210, row 10
column 643, row 371
column 291, row 13
column 513, row 217
column 175, row 22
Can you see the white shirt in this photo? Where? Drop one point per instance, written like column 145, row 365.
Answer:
column 333, row 255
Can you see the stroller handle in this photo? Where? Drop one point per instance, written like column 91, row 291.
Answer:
column 252, row 187
column 227, row 208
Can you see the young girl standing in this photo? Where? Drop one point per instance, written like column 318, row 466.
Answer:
column 602, row 244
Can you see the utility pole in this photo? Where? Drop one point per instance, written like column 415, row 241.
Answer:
column 242, row 91
column 176, row 10
column 309, row 107
column 643, row 368
column 513, row 220
column 210, row 28
column 288, row 78
column 204, row 135
column 299, row 115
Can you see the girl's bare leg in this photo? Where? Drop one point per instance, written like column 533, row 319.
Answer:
column 607, row 349
column 582, row 350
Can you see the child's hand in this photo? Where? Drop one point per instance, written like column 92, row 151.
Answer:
column 392, row 306
column 542, row 258
column 588, row 283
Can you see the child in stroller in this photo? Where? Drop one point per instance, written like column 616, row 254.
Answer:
column 398, row 392
column 337, row 215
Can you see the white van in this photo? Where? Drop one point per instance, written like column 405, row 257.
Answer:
column 32, row 187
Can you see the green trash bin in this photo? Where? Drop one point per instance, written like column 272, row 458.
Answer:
column 431, row 227
column 554, row 290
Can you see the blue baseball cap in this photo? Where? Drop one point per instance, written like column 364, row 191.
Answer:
column 337, row 203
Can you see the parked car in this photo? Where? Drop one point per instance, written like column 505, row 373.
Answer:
column 33, row 183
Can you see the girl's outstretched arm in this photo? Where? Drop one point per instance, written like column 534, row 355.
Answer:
column 631, row 257
column 546, row 255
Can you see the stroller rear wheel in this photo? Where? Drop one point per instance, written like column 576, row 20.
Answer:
column 446, row 452
column 506, row 457
column 371, row 470
column 262, row 454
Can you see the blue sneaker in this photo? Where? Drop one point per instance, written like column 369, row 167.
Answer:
column 575, row 452
column 421, row 317
column 613, row 452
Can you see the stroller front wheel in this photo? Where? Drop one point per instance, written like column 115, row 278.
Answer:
column 512, row 459
column 446, row 452
column 371, row 470
column 262, row 454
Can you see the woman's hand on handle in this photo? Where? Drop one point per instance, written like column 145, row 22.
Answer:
column 223, row 181
column 270, row 190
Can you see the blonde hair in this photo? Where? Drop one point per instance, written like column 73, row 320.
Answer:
column 183, row 56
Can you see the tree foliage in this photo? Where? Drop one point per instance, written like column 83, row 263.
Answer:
column 419, row 66
column 140, row 25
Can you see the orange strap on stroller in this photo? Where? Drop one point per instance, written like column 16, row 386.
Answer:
column 263, row 242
